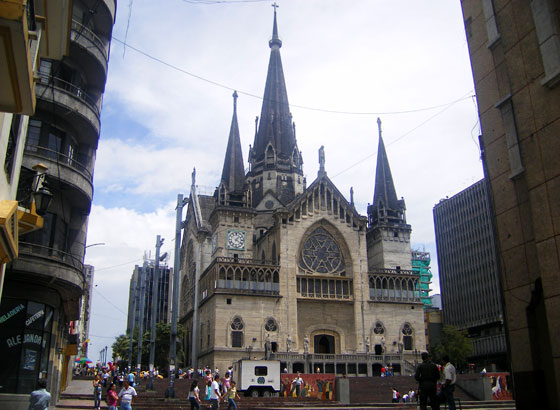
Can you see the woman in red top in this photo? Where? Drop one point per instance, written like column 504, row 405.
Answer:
column 112, row 397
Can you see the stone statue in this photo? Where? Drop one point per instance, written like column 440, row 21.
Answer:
column 367, row 345
column 322, row 159
column 306, row 344
column 267, row 347
column 289, row 342
column 193, row 175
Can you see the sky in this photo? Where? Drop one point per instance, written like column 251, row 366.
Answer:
column 167, row 108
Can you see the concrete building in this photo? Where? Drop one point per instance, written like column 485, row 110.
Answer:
column 146, row 273
column 468, row 273
column 85, row 312
column 27, row 36
column 44, row 285
column 273, row 267
column 421, row 265
column 515, row 55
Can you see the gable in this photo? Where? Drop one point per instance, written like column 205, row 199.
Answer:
column 269, row 203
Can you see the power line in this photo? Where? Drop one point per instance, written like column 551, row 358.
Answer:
column 227, row 87
column 119, row 265
column 222, row 1
column 111, row 303
column 446, row 107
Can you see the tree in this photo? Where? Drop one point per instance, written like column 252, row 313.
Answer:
column 455, row 344
column 163, row 332
column 120, row 348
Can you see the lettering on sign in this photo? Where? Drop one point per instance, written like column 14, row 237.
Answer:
column 11, row 313
column 34, row 317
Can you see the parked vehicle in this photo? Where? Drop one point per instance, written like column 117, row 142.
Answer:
column 257, row 377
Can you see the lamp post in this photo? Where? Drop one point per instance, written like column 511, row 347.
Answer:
column 170, row 392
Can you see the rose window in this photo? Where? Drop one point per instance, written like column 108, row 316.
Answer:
column 321, row 254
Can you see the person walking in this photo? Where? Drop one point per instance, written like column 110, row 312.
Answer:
column 112, row 397
column 231, row 395
column 427, row 375
column 97, row 391
column 448, row 385
column 215, row 397
column 194, row 395
column 39, row 399
column 126, row 396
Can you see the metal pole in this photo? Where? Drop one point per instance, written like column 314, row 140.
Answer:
column 155, row 303
column 175, row 307
column 135, row 293
column 105, row 357
column 142, row 280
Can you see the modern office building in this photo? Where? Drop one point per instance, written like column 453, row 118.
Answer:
column 468, row 272
column 421, row 266
column 146, row 273
column 43, row 287
column 273, row 267
column 514, row 48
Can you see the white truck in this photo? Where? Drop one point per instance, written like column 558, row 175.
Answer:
column 257, row 377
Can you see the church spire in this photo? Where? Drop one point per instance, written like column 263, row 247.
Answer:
column 386, row 207
column 385, row 192
column 275, row 127
column 233, row 174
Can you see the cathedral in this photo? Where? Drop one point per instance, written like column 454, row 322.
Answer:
column 274, row 268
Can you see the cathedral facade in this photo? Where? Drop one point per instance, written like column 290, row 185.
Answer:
column 273, row 268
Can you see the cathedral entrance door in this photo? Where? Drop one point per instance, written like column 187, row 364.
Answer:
column 323, row 344
column 378, row 349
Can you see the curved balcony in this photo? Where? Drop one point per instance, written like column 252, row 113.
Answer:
column 82, row 109
column 67, row 169
column 93, row 48
column 54, row 269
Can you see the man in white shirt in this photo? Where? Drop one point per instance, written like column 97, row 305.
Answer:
column 215, row 396
column 126, row 396
column 448, row 386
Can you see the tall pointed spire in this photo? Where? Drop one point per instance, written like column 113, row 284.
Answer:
column 233, row 174
column 385, row 195
column 275, row 126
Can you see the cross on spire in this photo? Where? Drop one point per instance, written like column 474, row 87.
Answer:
column 275, row 6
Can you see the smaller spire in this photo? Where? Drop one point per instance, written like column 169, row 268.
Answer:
column 352, row 195
column 379, row 126
column 275, row 40
column 235, row 102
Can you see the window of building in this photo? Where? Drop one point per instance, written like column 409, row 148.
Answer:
column 378, row 329
column 321, row 254
column 11, row 147
column 271, row 325
column 237, row 332
column 407, row 337
column 25, row 328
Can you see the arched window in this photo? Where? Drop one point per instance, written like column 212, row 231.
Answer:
column 273, row 255
column 408, row 340
column 237, row 332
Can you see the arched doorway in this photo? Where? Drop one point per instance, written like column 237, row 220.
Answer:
column 324, row 344
column 378, row 350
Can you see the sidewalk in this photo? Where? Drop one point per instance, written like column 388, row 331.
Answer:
column 78, row 395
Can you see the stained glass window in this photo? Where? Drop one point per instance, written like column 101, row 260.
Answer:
column 378, row 330
column 271, row 325
column 321, row 254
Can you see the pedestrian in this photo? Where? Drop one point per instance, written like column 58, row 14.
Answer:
column 112, row 397
column 39, row 399
column 226, row 383
column 208, row 383
column 126, row 396
column 448, row 386
column 395, row 398
column 215, row 397
column 297, row 382
column 130, row 379
column 194, row 397
column 231, row 395
column 427, row 375
column 97, row 391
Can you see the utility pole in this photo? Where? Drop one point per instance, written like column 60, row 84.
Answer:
column 142, row 295
column 175, row 306
column 105, row 357
column 155, row 303
column 135, row 294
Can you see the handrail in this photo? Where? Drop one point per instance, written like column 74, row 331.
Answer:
column 48, row 153
column 73, row 90
column 54, row 254
column 90, row 35
column 244, row 261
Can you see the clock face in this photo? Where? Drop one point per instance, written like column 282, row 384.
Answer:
column 236, row 240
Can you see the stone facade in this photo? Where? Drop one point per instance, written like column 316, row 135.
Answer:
column 293, row 272
column 514, row 48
